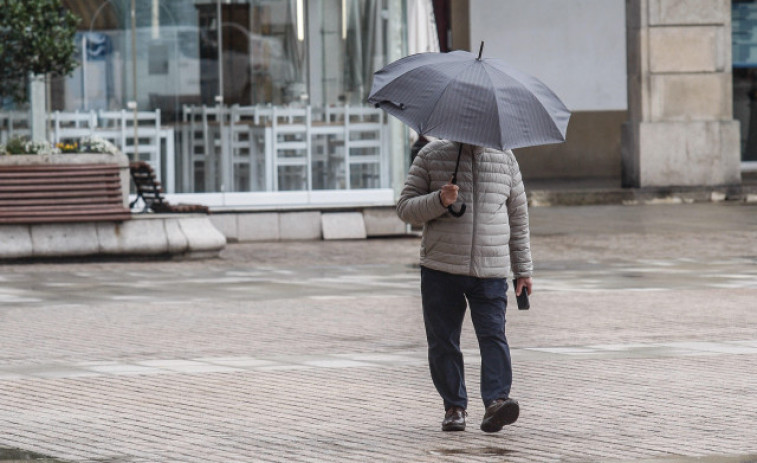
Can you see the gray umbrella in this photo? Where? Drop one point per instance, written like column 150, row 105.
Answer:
column 479, row 101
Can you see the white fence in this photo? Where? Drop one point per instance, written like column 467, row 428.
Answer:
column 270, row 148
column 153, row 143
column 238, row 149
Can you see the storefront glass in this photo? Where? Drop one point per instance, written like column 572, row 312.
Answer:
column 744, row 30
column 274, row 102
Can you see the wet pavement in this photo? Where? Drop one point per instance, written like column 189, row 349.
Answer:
column 640, row 346
column 20, row 456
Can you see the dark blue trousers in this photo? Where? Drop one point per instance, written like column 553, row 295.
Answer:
column 444, row 304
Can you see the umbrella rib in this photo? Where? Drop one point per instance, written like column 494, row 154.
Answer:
column 446, row 87
column 499, row 115
column 531, row 96
column 393, row 80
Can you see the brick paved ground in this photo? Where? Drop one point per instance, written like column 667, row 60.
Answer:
column 640, row 346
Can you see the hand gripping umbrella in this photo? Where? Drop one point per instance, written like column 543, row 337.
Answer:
column 479, row 101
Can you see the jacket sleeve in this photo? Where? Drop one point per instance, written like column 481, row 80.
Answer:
column 417, row 205
column 520, row 242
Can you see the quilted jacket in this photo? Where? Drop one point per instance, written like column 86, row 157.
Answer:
column 492, row 237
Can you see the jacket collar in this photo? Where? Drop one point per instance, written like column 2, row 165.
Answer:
column 473, row 149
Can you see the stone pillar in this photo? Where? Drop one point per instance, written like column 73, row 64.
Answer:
column 37, row 109
column 680, row 129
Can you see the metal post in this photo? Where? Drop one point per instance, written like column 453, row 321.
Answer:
column 134, row 73
column 84, row 72
column 219, row 97
column 37, row 113
column 225, row 155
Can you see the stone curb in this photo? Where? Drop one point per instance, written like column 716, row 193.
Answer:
column 184, row 235
column 641, row 196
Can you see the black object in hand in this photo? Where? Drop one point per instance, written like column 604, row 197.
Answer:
column 523, row 298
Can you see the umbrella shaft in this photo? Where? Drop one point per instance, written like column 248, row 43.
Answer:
column 457, row 165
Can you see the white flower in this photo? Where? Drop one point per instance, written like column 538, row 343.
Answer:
column 40, row 147
column 97, row 145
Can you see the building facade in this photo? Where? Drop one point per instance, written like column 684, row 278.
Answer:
column 243, row 103
column 260, row 103
column 661, row 90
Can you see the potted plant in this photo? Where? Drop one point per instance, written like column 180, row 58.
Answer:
column 20, row 151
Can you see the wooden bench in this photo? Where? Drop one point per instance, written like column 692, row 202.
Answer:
column 61, row 193
column 150, row 192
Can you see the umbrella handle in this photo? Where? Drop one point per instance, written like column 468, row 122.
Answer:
column 391, row 103
column 456, row 213
column 453, row 181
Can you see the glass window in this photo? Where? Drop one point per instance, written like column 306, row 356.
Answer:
column 249, row 95
column 744, row 30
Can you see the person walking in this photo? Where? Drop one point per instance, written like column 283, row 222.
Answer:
column 469, row 257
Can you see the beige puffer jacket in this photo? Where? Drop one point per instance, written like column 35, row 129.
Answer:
column 492, row 235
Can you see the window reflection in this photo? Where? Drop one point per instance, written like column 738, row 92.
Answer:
column 285, row 54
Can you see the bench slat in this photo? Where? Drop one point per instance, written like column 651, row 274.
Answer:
column 62, row 167
column 62, row 207
column 61, row 193
column 49, row 218
column 58, row 180
column 57, row 188
column 46, row 201
column 102, row 209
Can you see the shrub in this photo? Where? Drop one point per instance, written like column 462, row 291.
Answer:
column 97, row 145
column 22, row 145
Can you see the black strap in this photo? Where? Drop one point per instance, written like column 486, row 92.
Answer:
column 452, row 211
column 457, row 166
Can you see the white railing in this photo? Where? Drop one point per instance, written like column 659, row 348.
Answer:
column 274, row 148
column 240, row 149
column 154, row 143
column 12, row 124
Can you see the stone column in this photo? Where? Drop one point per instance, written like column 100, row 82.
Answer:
column 37, row 109
column 680, row 129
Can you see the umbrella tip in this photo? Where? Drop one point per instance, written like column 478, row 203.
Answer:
column 480, row 50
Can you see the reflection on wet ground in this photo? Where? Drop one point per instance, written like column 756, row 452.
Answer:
column 472, row 452
column 20, row 456
column 648, row 274
column 262, row 283
column 267, row 363
column 709, row 459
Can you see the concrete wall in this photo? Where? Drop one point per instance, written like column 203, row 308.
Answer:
column 308, row 225
column 592, row 149
column 576, row 47
column 680, row 129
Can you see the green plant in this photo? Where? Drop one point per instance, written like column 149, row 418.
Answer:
column 36, row 37
column 22, row 145
column 16, row 145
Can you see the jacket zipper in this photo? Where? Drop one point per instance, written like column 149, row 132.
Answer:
column 475, row 208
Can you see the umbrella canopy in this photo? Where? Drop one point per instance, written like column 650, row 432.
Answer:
column 479, row 101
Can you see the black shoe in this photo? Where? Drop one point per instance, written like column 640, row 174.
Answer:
column 500, row 413
column 454, row 419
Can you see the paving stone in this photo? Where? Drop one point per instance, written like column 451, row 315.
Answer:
column 636, row 317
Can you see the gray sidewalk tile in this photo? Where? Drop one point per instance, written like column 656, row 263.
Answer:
column 640, row 346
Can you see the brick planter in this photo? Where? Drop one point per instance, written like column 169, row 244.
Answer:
column 121, row 160
column 76, row 205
